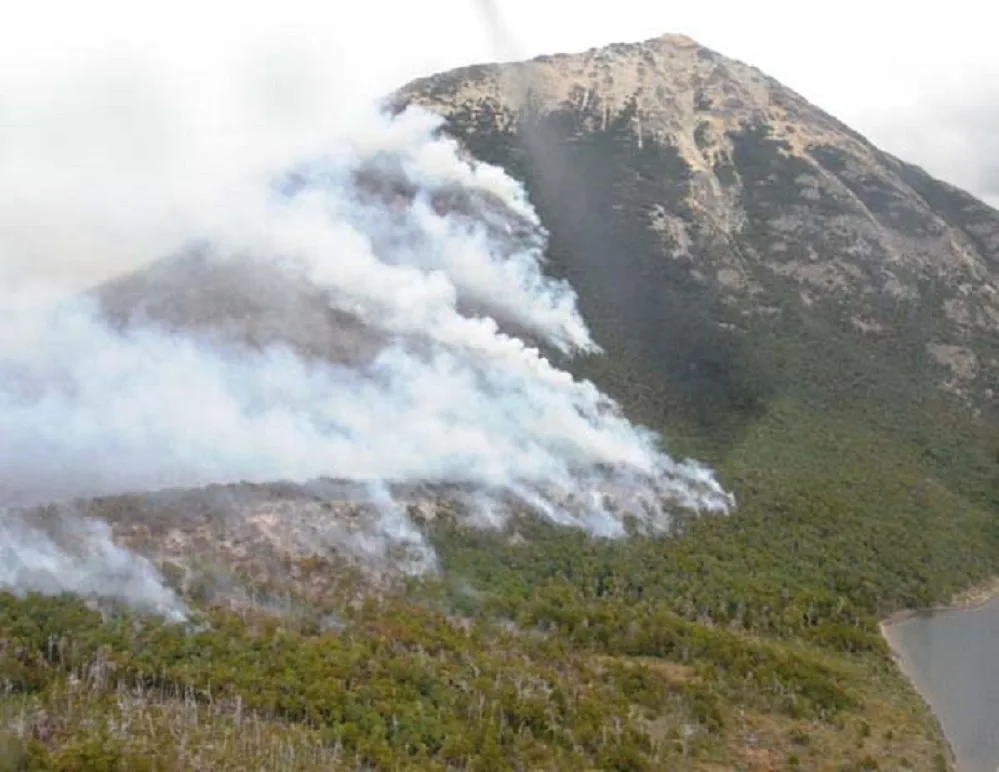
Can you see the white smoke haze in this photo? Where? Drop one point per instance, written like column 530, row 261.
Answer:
column 353, row 302
column 69, row 554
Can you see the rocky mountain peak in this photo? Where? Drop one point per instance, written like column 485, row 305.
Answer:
column 674, row 87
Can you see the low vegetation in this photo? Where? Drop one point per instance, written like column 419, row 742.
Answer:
column 746, row 642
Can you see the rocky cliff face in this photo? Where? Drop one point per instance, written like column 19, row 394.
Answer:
column 729, row 236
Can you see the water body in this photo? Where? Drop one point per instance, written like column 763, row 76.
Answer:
column 952, row 658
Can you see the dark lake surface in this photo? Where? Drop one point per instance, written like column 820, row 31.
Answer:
column 952, row 658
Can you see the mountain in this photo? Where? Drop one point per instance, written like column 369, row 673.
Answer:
column 731, row 240
column 770, row 291
column 773, row 291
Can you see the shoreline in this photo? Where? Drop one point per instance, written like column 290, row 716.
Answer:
column 976, row 596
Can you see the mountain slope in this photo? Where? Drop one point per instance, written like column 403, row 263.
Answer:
column 774, row 292
column 711, row 218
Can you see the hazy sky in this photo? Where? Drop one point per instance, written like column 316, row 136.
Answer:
column 107, row 78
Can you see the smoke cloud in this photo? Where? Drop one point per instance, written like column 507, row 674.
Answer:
column 63, row 553
column 358, row 301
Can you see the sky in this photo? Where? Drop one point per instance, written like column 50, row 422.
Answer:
column 114, row 89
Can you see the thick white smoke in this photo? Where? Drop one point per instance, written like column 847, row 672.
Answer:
column 356, row 305
column 89, row 409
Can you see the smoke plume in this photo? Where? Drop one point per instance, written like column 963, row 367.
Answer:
column 370, row 308
column 64, row 553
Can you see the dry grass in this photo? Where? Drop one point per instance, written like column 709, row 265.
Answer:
column 168, row 731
